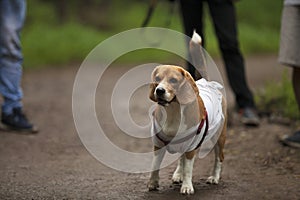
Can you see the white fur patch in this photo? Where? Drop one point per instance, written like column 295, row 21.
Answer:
column 187, row 185
column 196, row 38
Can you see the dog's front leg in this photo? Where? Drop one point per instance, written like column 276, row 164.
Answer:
column 178, row 174
column 188, row 163
column 156, row 162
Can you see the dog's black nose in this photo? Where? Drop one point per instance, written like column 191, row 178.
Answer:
column 160, row 91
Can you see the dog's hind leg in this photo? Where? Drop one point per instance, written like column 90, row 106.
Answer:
column 159, row 154
column 214, row 179
column 219, row 157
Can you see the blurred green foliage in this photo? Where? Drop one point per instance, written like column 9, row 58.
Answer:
column 278, row 98
column 58, row 32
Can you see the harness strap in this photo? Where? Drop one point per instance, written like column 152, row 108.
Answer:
column 166, row 142
column 204, row 134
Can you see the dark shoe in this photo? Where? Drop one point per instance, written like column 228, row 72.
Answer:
column 292, row 141
column 17, row 121
column 249, row 117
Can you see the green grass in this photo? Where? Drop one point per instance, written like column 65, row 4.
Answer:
column 259, row 25
column 57, row 45
column 47, row 42
column 278, row 98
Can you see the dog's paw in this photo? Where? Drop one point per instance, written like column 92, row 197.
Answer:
column 153, row 185
column 187, row 189
column 177, row 178
column 212, row 180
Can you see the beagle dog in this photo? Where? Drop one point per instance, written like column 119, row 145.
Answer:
column 189, row 115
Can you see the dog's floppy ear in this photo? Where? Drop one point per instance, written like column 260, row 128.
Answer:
column 152, row 90
column 153, row 85
column 188, row 90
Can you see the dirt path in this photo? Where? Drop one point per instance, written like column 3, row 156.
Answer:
column 55, row 165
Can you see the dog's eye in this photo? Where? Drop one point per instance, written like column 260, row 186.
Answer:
column 157, row 79
column 173, row 80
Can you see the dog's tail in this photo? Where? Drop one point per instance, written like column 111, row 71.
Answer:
column 198, row 57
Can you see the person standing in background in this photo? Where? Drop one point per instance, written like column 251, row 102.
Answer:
column 224, row 20
column 289, row 54
column 12, row 16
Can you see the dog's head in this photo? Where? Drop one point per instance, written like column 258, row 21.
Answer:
column 172, row 83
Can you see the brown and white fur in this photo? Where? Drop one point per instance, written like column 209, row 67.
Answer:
column 175, row 91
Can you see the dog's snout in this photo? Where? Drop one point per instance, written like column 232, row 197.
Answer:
column 160, row 91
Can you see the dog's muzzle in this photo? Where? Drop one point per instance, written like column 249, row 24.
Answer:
column 160, row 91
column 160, row 96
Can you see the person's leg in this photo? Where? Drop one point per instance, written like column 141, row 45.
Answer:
column 296, row 84
column 289, row 56
column 192, row 13
column 12, row 14
column 224, row 19
column 294, row 139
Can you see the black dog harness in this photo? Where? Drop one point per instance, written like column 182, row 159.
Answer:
column 181, row 140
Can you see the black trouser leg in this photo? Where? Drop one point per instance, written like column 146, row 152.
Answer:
column 224, row 19
column 296, row 84
column 191, row 11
